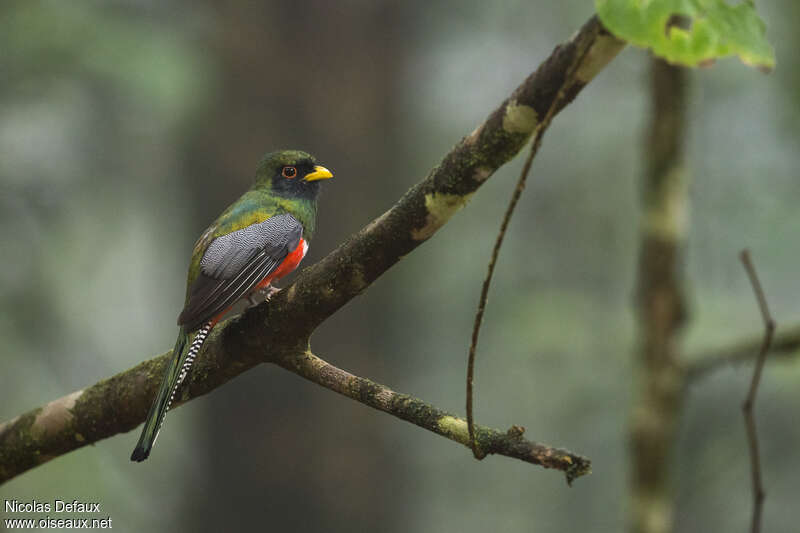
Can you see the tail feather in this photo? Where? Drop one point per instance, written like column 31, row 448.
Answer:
column 179, row 365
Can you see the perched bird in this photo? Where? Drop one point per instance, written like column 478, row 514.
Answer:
column 260, row 238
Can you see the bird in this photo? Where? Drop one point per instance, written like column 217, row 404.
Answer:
column 257, row 240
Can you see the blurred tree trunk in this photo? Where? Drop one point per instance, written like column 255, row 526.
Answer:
column 313, row 75
column 661, row 304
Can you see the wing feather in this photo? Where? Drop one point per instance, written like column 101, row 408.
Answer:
column 234, row 264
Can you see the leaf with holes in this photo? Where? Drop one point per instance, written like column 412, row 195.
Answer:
column 690, row 32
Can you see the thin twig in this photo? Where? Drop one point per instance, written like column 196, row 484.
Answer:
column 498, row 243
column 747, row 406
column 476, row 328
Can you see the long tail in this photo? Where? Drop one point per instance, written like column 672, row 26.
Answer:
column 182, row 359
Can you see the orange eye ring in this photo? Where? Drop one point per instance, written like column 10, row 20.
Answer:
column 289, row 172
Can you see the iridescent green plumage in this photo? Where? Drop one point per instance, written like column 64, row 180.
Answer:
column 257, row 205
column 258, row 236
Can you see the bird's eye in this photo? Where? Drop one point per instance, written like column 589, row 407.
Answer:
column 289, row 172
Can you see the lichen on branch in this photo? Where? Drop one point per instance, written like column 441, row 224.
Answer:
column 424, row 415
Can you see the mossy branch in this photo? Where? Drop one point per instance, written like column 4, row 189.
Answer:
column 280, row 331
column 424, row 415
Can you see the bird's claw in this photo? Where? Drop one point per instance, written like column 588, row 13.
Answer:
column 267, row 293
column 270, row 292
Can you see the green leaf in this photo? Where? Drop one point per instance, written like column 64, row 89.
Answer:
column 705, row 29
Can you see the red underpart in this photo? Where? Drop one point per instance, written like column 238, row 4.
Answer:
column 286, row 267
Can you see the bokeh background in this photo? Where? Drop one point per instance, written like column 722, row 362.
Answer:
column 127, row 126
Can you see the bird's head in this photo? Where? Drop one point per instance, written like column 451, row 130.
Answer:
column 291, row 174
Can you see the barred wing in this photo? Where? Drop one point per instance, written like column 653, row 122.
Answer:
column 235, row 263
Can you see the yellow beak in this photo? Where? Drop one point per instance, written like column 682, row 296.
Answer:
column 320, row 173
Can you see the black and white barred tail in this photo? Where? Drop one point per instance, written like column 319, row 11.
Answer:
column 182, row 358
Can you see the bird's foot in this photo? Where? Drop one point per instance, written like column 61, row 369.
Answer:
column 266, row 293
column 269, row 292
column 252, row 299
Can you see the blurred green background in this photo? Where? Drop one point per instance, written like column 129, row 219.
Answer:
column 127, row 126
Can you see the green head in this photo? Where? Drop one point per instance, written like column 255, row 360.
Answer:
column 291, row 174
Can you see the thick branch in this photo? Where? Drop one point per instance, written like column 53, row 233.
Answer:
column 270, row 332
column 661, row 300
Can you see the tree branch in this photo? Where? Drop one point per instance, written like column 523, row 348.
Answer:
column 661, row 302
column 785, row 344
column 410, row 409
column 281, row 329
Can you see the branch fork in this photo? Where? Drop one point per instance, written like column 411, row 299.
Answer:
column 282, row 328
